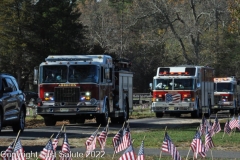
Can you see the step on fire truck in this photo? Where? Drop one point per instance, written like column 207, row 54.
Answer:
column 226, row 94
column 79, row 87
column 183, row 89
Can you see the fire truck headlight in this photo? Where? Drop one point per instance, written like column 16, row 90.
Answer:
column 85, row 96
column 48, row 96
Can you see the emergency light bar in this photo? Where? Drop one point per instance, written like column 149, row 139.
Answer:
column 223, row 79
column 67, row 59
column 173, row 73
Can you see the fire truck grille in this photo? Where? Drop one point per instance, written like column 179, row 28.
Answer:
column 67, row 94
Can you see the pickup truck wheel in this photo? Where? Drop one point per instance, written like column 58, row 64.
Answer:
column 20, row 125
column 0, row 120
column 49, row 121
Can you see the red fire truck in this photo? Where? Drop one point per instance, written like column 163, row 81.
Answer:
column 183, row 89
column 226, row 94
column 79, row 87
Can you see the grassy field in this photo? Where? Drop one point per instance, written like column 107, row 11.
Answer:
column 180, row 136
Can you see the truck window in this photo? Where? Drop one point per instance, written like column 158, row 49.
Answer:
column 53, row 74
column 83, row 73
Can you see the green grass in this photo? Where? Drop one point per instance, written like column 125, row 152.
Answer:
column 180, row 136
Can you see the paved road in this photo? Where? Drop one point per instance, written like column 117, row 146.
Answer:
column 83, row 131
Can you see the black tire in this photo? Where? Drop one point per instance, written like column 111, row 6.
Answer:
column 49, row 121
column 196, row 114
column 159, row 114
column 125, row 116
column 114, row 120
column 20, row 125
column 178, row 115
column 1, row 119
column 103, row 118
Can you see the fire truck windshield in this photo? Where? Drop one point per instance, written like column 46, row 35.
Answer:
column 72, row 74
column 223, row 87
column 173, row 84
column 83, row 73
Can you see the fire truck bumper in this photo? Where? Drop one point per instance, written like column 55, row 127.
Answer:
column 67, row 110
column 224, row 105
column 172, row 107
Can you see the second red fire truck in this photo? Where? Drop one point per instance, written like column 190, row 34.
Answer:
column 183, row 89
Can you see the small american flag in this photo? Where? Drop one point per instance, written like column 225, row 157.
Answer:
column 208, row 141
column 118, row 141
column 18, row 152
column 8, row 153
column 238, row 126
column 91, row 143
column 173, row 98
column 102, row 138
column 141, row 152
column 197, row 146
column 126, row 137
column 233, row 123
column 169, row 147
column 65, row 153
column 216, row 127
column 48, row 152
column 227, row 128
column 128, row 154
column 55, row 141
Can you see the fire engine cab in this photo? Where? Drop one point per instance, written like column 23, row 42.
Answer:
column 226, row 94
column 183, row 89
column 79, row 87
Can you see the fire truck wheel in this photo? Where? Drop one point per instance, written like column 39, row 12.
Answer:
column 159, row 114
column 103, row 118
column 49, row 121
column 232, row 112
column 20, row 125
column 114, row 120
column 125, row 116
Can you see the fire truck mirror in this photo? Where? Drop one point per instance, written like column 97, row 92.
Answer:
column 198, row 85
column 107, row 74
column 35, row 79
column 150, row 86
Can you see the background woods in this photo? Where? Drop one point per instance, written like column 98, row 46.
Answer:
column 150, row 33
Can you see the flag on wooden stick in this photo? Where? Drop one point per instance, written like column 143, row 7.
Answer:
column 216, row 127
column 169, row 147
column 48, row 152
column 197, row 145
column 18, row 151
column 91, row 143
column 117, row 141
column 65, row 153
column 102, row 138
column 141, row 152
column 227, row 128
column 208, row 141
column 128, row 154
column 7, row 155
